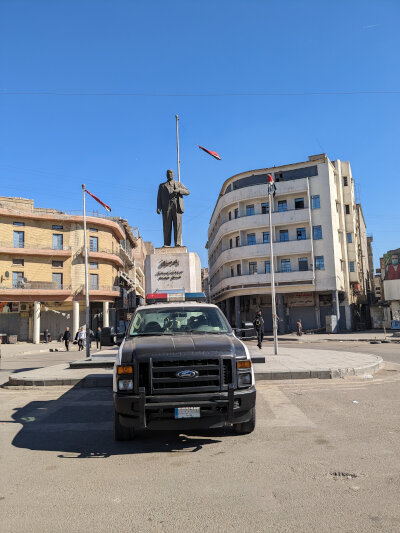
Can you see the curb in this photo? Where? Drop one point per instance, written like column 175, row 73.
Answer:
column 105, row 380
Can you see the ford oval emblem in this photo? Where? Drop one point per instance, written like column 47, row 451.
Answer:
column 187, row 374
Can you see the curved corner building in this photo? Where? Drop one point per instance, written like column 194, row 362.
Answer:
column 320, row 247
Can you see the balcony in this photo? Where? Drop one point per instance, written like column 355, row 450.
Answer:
column 102, row 292
column 35, row 290
column 34, row 249
column 259, row 250
column 258, row 221
column 106, row 255
column 256, row 281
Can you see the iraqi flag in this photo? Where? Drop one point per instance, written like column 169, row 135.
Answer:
column 271, row 185
column 210, row 152
column 107, row 207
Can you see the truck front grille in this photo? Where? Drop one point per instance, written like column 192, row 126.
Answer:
column 165, row 379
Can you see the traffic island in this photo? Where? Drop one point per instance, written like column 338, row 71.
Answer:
column 291, row 363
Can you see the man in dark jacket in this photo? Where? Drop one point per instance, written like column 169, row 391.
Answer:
column 259, row 327
column 67, row 338
column 170, row 204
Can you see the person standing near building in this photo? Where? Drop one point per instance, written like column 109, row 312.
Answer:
column 98, row 338
column 46, row 335
column 299, row 328
column 66, row 338
column 81, row 338
column 258, row 323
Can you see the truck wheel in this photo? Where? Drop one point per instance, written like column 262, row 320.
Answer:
column 121, row 432
column 246, row 427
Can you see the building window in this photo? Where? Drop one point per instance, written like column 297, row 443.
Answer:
column 282, row 205
column 319, row 262
column 265, row 237
column 267, row 267
column 94, row 244
column 57, row 241
column 252, row 267
column 251, row 238
column 232, row 272
column 345, row 182
column 349, row 238
column 57, row 264
column 93, row 281
column 18, row 223
column 239, row 269
column 95, row 230
column 230, row 243
column 230, row 215
column 57, row 227
column 237, row 241
column 351, row 263
column 264, row 208
column 303, row 263
column 17, row 279
column 18, row 262
column 301, row 234
column 317, row 232
column 299, row 203
column 57, row 279
column 284, row 235
column 285, row 265
column 347, row 209
column 236, row 212
column 19, row 239
column 250, row 210
column 315, row 203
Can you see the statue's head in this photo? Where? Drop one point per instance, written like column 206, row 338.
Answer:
column 170, row 175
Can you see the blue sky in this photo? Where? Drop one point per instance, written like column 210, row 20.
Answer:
column 89, row 90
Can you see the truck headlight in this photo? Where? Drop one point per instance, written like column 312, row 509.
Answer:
column 125, row 385
column 244, row 380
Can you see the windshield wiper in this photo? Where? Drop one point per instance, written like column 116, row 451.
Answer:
column 151, row 334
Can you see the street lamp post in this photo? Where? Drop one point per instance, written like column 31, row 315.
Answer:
column 86, row 275
column 271, row 193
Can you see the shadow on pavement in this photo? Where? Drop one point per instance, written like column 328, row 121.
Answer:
column 79, row 424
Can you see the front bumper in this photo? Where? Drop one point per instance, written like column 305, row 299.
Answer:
column 157, row 412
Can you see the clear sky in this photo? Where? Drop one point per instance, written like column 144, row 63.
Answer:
column 89, row 90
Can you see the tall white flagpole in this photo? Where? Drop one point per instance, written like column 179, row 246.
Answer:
column 86, row 275
column 177, row 147
column 271, row 239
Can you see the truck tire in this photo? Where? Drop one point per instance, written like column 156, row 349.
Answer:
column 121, row 432
column 246, row 427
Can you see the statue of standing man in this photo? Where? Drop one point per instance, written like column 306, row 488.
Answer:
column 170, row 204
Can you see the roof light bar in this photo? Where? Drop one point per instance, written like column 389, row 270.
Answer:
column 175, row 296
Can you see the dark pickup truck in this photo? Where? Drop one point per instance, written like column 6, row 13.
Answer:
column 181, row 367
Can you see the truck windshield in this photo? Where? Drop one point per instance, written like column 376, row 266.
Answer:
column 165, row 321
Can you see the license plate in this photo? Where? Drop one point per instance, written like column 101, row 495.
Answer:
column 187, row 412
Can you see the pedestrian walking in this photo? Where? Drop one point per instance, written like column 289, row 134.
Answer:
column 98, row 338
column 258, row 323
column 46, row 335
column 81, row 338
column 299, row 328
column 66, row 338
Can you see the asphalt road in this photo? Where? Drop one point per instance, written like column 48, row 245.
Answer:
column 61, row 471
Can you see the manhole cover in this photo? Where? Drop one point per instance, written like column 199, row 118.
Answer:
column 343, row 475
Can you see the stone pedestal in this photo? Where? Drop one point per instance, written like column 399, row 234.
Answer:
column 172, row 268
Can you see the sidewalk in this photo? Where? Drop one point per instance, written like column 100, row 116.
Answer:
column 293, row 362
column 351, row 336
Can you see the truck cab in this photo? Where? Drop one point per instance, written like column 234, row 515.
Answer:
column 181, row 367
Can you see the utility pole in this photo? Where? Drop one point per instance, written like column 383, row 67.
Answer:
column 271, row 190
column 177, row 147
column 86, row 275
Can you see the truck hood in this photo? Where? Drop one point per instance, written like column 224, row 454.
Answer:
column 142, row 348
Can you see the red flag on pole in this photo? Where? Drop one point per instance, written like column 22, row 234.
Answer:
column 210, row 152
column 107, row 207
column 271, row 185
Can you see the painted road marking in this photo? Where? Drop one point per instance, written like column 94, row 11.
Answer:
column 285, row 413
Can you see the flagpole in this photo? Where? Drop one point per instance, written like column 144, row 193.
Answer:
column 271, row 238
column 86, row 275
column 177, row 147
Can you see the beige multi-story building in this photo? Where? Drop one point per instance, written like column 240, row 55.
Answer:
column 320, row 246
column 42, row 273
